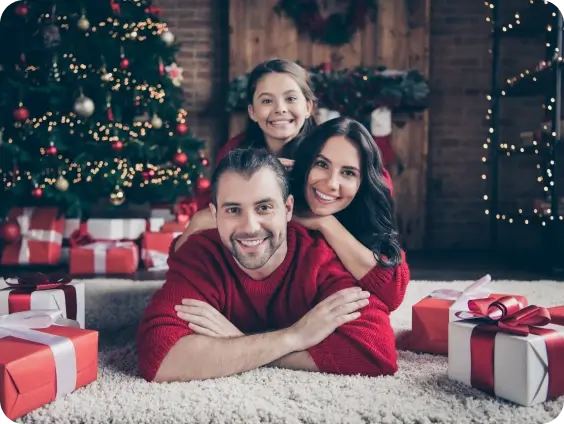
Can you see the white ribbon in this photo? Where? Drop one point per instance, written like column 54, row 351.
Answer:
column 101, row 248
column 157, row 259
column 24, row 221
column 23, row 325
column 475, row 290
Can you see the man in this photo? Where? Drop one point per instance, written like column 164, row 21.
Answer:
column 286, row 298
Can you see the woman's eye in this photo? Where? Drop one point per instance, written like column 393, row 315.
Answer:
column 265, row 101
column 292, row 99
column 321, row 164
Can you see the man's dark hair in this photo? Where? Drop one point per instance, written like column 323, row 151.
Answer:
column 247, row 162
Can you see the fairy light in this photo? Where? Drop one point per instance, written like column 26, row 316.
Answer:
column 546, row 179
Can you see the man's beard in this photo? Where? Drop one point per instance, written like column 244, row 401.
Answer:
column 258, row 259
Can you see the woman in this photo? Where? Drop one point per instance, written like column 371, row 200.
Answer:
column 281, row 101
column 340, row 189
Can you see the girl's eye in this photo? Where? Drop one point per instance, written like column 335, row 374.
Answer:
column 292, row 99
column 349, row 173
column 266, row 101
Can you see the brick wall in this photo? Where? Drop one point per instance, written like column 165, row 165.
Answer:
column 460, row 80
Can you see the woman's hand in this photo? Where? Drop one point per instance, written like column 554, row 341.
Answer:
column 288, row 163
column 312, row 222
column 205, row 320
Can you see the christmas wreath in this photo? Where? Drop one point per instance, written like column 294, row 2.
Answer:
column 335, row 29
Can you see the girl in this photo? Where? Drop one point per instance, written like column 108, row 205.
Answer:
column 280, row 107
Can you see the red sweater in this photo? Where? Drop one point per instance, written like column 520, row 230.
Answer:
column 204, row 269
column 204, row 198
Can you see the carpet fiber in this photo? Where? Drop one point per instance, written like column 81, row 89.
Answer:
column 419, row 393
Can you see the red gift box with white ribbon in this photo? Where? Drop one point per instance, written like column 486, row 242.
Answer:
column 104, row 257
column 41, row 237
column 155, row 248
column 35, row 291
column 508, row 351
column 43, row 357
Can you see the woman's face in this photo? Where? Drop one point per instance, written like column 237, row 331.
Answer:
column 279, row 108
column 334, row 178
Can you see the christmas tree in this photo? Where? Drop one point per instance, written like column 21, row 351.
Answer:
column 91, row 107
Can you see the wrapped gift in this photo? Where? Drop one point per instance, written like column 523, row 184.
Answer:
column 40, row 242
column 173, row 227
column 106, row 229
column 155, row 248
column 39, row 291
column 104, row 257
column 508, row 351
column 162, row 211
column 431, row 315
column 41, row 360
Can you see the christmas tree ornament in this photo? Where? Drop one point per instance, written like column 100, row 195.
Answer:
column 180, row 158
column 133, row 35
column 84, row 106
column 381, row 122
column 117, row 196
column 204, row 161
column 62, row 184
column 117, row 146
column 21, row 9
column 83, row 23
column 175, row 74
column 115, row 7
column 37, row 192
column 21, row 113
column 156, row 122
column 203, row 183
column 10, row 231
column 105, row 76
column 51, row 36
column 168, row 38
column 161, row 68
column 124, row 63
column 51, row 150
column 182, row 128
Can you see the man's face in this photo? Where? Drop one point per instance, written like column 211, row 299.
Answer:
column 252, row 218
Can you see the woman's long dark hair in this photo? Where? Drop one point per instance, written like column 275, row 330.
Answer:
column 254, row 136
column 370, row 216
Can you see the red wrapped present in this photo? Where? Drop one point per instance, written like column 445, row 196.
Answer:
column 104, row 257
column 41, row 360
column 34, row 291
column 431, row 316
column 106, row 229
column 41, row 237
column 155, row 248
column 507, row 350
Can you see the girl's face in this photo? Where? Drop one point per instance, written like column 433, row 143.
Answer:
column 334, row 178
column 279, row 108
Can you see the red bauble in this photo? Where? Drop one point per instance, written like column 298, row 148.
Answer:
column 10, row 232
column 21, row 114
column 182, row 129
column 51, row 150
column 151, row 172
column 205, row 162
column 203, row 183
column 37, row 192
column 180, row 158
column 21, row 9
column 124, row 63
column 117, row 146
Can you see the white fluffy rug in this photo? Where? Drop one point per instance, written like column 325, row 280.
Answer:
column 419, row 393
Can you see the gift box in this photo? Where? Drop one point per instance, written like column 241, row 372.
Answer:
column 508, row 351
column 110, row 257
column 557, row 314
column 155, row 248
column 39, row 291
column 41, row 360
column 431, row 316
column 107, row 229
column 40, row 242
column 174, row 227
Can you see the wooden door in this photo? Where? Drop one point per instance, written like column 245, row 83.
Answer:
column 398, row 40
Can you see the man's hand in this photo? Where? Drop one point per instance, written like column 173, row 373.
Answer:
column 334, row 311
column 205, row 320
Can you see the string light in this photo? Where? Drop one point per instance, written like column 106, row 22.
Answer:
column 546, row 178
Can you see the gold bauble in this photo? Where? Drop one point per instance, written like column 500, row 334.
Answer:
column 117, row 197
column 62, row 184
column 83, row 23
column 156, row 122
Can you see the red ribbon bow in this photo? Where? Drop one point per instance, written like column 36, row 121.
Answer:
column 39, row 281
column 81, row 236
column 185, row 209
column 507, row 314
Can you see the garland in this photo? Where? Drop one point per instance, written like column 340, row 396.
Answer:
column 354, row 92
column 335, row 30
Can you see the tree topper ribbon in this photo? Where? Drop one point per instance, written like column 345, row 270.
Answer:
column 506, row 315
column 24, row 325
